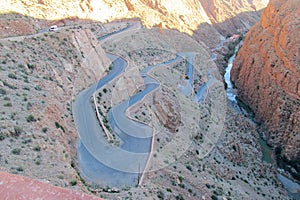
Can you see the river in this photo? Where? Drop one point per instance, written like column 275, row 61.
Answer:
column 292, row 187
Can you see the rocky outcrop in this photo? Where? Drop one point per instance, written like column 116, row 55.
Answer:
column 267, row 75
column 93, row 58
column 229, row 17
column 166, row 109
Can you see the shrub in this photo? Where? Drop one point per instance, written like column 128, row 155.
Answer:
column 6, row 99
column 45, row 129
column 31, row 66
column 189, row 167
column 9, row 85
column 214, row 197
column 72, row 164
column 26, row 88
column 18, row 130
column 12, row 76
column 25, row 141
column 180, row 178
column 38, row 88
column 2, row 91
column 8, row 104
column 179, row 197
column 37, row 148
column 19, row 169
column 16, row 151
column 28, row 106
column 30, row 118
column 2, row 136
column 160, row 194
column 57, row 125
column 60, row 176
column 73, row 182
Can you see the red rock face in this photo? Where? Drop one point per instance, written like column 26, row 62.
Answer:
column 18, row 187
column 266, row 72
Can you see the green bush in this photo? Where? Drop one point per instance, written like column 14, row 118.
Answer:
column 57, row 125
column 73, row 182
column 30, row 118
column 16, row 151
column 38, row 88
column 12, row 76
column 179, row 197
column 214, row 197
column 2, row 91
column 45, row 129
column 19, row 169
column 2, row 136
column 160, row 194
column 8, row 104
column 9, row 85
column 189, row 167
column 18, row 130
column 37, row 148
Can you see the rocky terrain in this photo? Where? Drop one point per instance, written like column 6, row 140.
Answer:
column 217, row 154
column 189, row 16
column 39, row 79
column 267, row 74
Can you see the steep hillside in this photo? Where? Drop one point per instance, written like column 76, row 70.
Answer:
column 40, row 76
column 184, row 15
column 201, row 148
column 267, row 74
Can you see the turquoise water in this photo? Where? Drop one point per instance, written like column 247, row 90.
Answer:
column 231, row 94
column 266, row 151
column 291, row 186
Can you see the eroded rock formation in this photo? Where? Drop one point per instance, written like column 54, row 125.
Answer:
column 267, row 74
column 167, row 110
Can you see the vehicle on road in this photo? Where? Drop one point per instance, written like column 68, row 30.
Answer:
column 53, row 28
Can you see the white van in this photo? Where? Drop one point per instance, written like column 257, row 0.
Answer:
column 53, row 28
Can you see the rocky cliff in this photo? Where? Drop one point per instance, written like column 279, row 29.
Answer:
column 266, row 73
column 184, row 15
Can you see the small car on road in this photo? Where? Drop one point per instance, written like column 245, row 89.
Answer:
column 53, row 28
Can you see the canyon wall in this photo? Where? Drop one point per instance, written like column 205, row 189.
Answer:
column 266, row 73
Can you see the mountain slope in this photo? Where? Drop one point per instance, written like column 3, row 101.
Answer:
column 267, row 73
column 184, row 15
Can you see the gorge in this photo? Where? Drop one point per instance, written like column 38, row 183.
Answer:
column 201, row 148
column 266, row 74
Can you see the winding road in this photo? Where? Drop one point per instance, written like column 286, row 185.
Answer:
column 99, row 161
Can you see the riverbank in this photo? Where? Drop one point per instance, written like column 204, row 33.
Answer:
column 292, row 187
